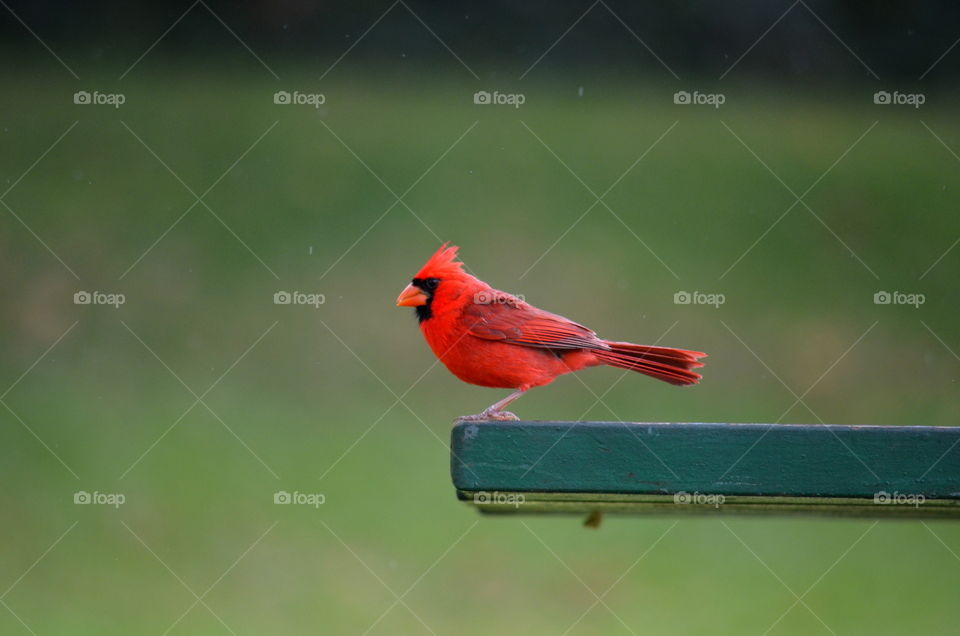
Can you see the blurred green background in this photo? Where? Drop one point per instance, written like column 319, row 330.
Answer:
column 345, row 399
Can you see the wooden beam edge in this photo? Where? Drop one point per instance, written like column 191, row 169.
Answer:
column 700, row 504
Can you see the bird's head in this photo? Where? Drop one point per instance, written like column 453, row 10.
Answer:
column 441, row 279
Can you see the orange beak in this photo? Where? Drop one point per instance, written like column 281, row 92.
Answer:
column 411, row 296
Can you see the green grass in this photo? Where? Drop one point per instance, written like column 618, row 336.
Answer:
column 300, row 399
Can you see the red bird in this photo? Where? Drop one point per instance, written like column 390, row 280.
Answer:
column 491, row 338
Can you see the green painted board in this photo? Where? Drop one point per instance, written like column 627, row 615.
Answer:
column 650, row 467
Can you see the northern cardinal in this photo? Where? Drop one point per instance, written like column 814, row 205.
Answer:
column 491, row 338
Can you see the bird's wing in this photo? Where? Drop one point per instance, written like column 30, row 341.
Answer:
column 509, row 319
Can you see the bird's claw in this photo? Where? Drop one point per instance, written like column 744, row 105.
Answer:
column 489, row 415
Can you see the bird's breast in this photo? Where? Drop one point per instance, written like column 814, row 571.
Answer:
column 494, row 363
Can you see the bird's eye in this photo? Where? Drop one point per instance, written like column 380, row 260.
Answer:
column 430, row 284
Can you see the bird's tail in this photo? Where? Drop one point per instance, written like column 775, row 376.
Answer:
column 670, row 365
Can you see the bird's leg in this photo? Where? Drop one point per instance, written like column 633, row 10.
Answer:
column 495, row 411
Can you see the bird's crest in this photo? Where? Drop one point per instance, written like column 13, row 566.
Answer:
column 442, row 264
